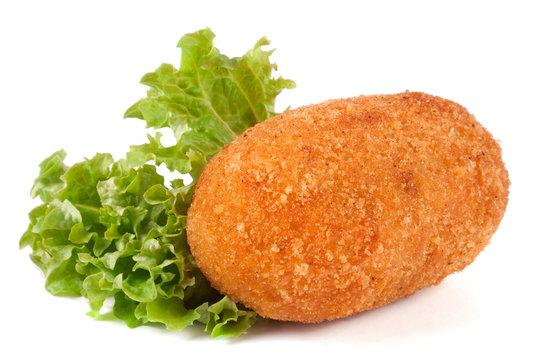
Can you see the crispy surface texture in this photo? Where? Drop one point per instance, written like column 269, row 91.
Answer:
column 345, row 206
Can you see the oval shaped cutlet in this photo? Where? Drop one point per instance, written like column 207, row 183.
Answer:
column 336, row 208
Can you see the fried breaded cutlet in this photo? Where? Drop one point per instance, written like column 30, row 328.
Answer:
column 345, row 206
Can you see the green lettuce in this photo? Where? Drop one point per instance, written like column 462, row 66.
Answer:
column 114, row 230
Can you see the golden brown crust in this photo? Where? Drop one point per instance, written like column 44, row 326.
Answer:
column 335, row 208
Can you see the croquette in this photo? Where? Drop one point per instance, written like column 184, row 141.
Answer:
column 341, row 207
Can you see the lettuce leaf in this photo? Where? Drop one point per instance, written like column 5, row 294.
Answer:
column 114, row 229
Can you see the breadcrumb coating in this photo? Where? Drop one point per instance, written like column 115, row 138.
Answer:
column 345, row 206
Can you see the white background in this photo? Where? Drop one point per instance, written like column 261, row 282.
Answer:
column 68, row 71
